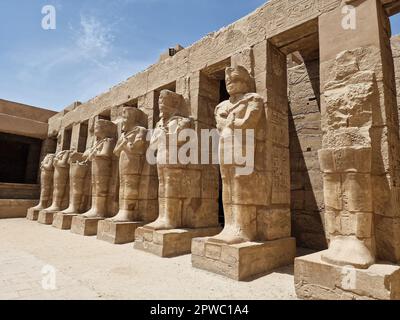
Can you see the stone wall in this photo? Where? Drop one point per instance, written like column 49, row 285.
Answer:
column 307, row 199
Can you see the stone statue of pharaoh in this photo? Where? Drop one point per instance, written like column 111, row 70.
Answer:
column 60, row 185
column 101, row 158
column 244, row 110
column 170, row 174
column 78, row 172
column 46, row 182
column 131, row 150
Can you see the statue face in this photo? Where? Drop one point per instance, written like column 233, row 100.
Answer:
column 129, row 119
column 165, row 105
column 99, row 129
column 235, row 84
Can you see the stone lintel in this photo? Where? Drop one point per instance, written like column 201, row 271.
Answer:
column 317, row 280
column 242, row 261
column 170, row 243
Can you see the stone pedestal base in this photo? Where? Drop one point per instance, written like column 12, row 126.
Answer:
column 117, row 232
column 46, row 217
column 85, row 226
column 170, row 243
column 32, row 214
column 242, row 261
column 317, row 280
column 63, row 221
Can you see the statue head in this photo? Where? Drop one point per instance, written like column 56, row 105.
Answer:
column 169, row 103
column 133, row 117
column 238, row 80
column 104, row 129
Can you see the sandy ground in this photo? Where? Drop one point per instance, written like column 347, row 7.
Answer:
column 87, row 268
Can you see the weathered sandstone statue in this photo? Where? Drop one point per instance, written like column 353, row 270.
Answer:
column 243, row 111
column 183, row 212
column 171, row 175
column 46, row 187
column 60, row 187
column 79, row 191
column 79, row 170
column 102, row 159
column 131, row 151
column 256, row 236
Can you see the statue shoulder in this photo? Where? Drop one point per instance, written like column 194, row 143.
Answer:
column 254, row 97
column 222, row 106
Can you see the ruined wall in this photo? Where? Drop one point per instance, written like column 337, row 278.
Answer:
column 307, row 201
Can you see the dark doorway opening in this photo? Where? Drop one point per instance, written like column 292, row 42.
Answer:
column 67, row 139
column 20, row 157
column 83, row 136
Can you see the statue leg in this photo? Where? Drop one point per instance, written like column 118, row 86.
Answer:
column 60, row 185
column 128, row 198
column 170, row 215
column 45, row 192
column 240, row 224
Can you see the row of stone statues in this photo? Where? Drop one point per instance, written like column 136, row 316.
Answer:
column 184, row 210
column 187, row 201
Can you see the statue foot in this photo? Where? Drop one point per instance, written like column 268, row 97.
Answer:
column 39, row 207
column 161, row 225
column 92, row 214
column 228, row 237
column 53, row 209
column 122, row 216
column 348, row 251
column 69, row 211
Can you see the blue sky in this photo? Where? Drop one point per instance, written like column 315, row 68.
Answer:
column 98, row 43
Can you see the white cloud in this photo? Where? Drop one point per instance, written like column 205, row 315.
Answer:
column 86, row 64
column 93, row 38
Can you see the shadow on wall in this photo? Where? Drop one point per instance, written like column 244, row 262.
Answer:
column 307, row 201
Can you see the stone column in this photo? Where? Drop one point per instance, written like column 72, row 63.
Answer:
column 359, row 159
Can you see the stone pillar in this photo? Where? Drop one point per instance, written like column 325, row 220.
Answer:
column 359, row 160
column 75, row 136
column 148, row 104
